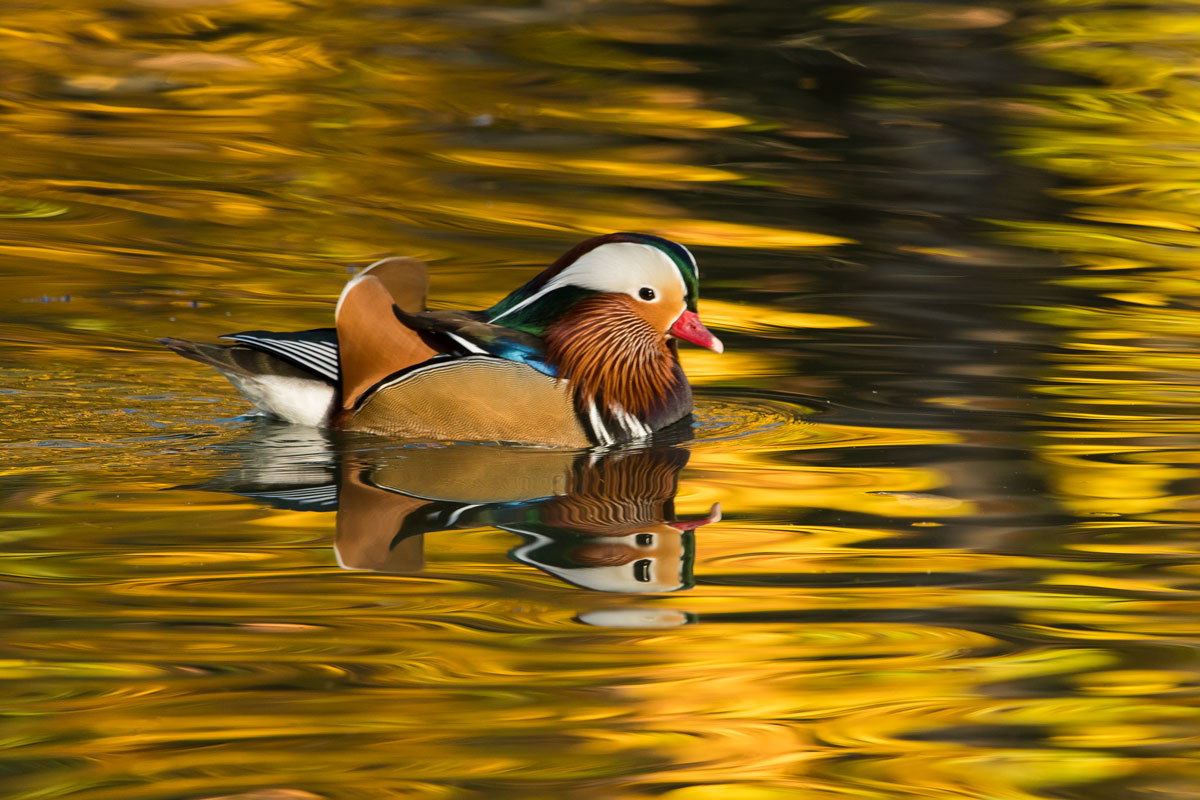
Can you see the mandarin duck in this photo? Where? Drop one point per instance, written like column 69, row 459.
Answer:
column 584, row 354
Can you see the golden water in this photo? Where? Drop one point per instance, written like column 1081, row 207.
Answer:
column 951, row 250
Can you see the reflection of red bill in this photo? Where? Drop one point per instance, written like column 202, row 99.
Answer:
column 714, row 515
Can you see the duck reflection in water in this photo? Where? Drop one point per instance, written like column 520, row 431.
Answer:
column 600, row 520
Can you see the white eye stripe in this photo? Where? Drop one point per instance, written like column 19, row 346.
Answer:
column 692, row 259
column 613, row 267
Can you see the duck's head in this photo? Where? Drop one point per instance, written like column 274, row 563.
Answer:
column 624, row 275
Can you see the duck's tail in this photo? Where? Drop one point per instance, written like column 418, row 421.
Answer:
column 270, row 383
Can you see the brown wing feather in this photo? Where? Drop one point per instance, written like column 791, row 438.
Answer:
column 473, row 399
column 372, row 342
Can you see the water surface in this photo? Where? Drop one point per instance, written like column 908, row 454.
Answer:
column 934, row 535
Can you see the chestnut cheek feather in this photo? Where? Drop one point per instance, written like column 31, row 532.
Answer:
column 607, row 349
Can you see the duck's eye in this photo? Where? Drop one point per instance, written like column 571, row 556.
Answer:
column 646, row 293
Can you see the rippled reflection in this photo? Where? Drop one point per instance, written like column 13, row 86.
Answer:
column 950, row 248
column 599, row 520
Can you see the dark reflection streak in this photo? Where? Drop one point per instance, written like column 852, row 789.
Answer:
column 861, row 580
column 953, row 618
column 946, row 349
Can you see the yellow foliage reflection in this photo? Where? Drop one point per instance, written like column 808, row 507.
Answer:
column 885, row 609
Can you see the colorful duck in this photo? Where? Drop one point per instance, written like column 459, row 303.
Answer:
column 584, row 354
